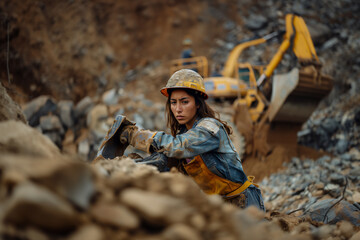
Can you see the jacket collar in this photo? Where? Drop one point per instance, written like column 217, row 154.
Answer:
column 183, row 129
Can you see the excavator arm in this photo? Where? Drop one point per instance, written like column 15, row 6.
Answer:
column 296, row 37
column 231, row 65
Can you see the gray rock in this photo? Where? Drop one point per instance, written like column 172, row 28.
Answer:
column 51, row 123
column 96, row 120
column 342, row 146
column 326, row 211
column 74, row 182
column 333, row 190
column 330, row 125
column 54, row 137
column 354, row 40
column 148, row 102
column 318, row 31
column 322, row 138
column 298, row 8
column 337, row 179
column 355, row 172
column 160, row 121
column 115, row 215
column 155, row 208
column 256, row 22
column 330, row 43
column 20, row 138
column 83, row 107
column 140, row 121
column 33, row 205
column 148, row 120
column 84, row 149
column 40, row 106
column 110, row 97
column 323, row 159
column 347, row 157
column 229, row 25
column 66, row 112
column 121, row 111
column 336, row 162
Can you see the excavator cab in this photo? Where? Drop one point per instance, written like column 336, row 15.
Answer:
column 198, row 64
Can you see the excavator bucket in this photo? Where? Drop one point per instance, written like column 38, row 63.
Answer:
column 296, row 95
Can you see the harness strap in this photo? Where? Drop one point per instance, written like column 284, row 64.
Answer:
column 242, row 188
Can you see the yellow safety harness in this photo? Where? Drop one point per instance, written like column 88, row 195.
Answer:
column 211, row 183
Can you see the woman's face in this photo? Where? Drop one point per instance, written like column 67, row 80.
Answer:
column 184, row 108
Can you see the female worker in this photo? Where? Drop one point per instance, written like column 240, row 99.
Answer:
column 199, row 140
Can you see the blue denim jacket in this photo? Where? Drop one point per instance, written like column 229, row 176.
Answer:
column 207, row 138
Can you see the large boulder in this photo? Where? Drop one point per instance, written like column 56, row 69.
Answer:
column 17, row 137
column 332, row 211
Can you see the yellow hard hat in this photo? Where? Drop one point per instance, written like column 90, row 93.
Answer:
column 187, row 42
column 185, row 78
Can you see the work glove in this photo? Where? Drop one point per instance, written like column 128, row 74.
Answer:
column 138, row 138
column 111, row 146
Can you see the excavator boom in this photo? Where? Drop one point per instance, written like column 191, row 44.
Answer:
column 297, row 37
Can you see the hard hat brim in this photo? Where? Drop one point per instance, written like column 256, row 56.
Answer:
column 164, row 91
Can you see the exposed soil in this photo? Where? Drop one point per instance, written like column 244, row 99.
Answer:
column 75, row 49
column 274, row 162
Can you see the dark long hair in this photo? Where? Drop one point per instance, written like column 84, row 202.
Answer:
column 204, row 110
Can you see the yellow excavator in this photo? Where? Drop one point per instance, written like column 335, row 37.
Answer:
column 269, row 106
column 273, row 102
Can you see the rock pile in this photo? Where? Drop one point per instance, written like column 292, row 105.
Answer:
column 306, row 186
column 336, row 128
column 79, row 128
column 47, row 196
column 56, row 197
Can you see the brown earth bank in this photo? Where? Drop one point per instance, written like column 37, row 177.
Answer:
column 74, row 49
